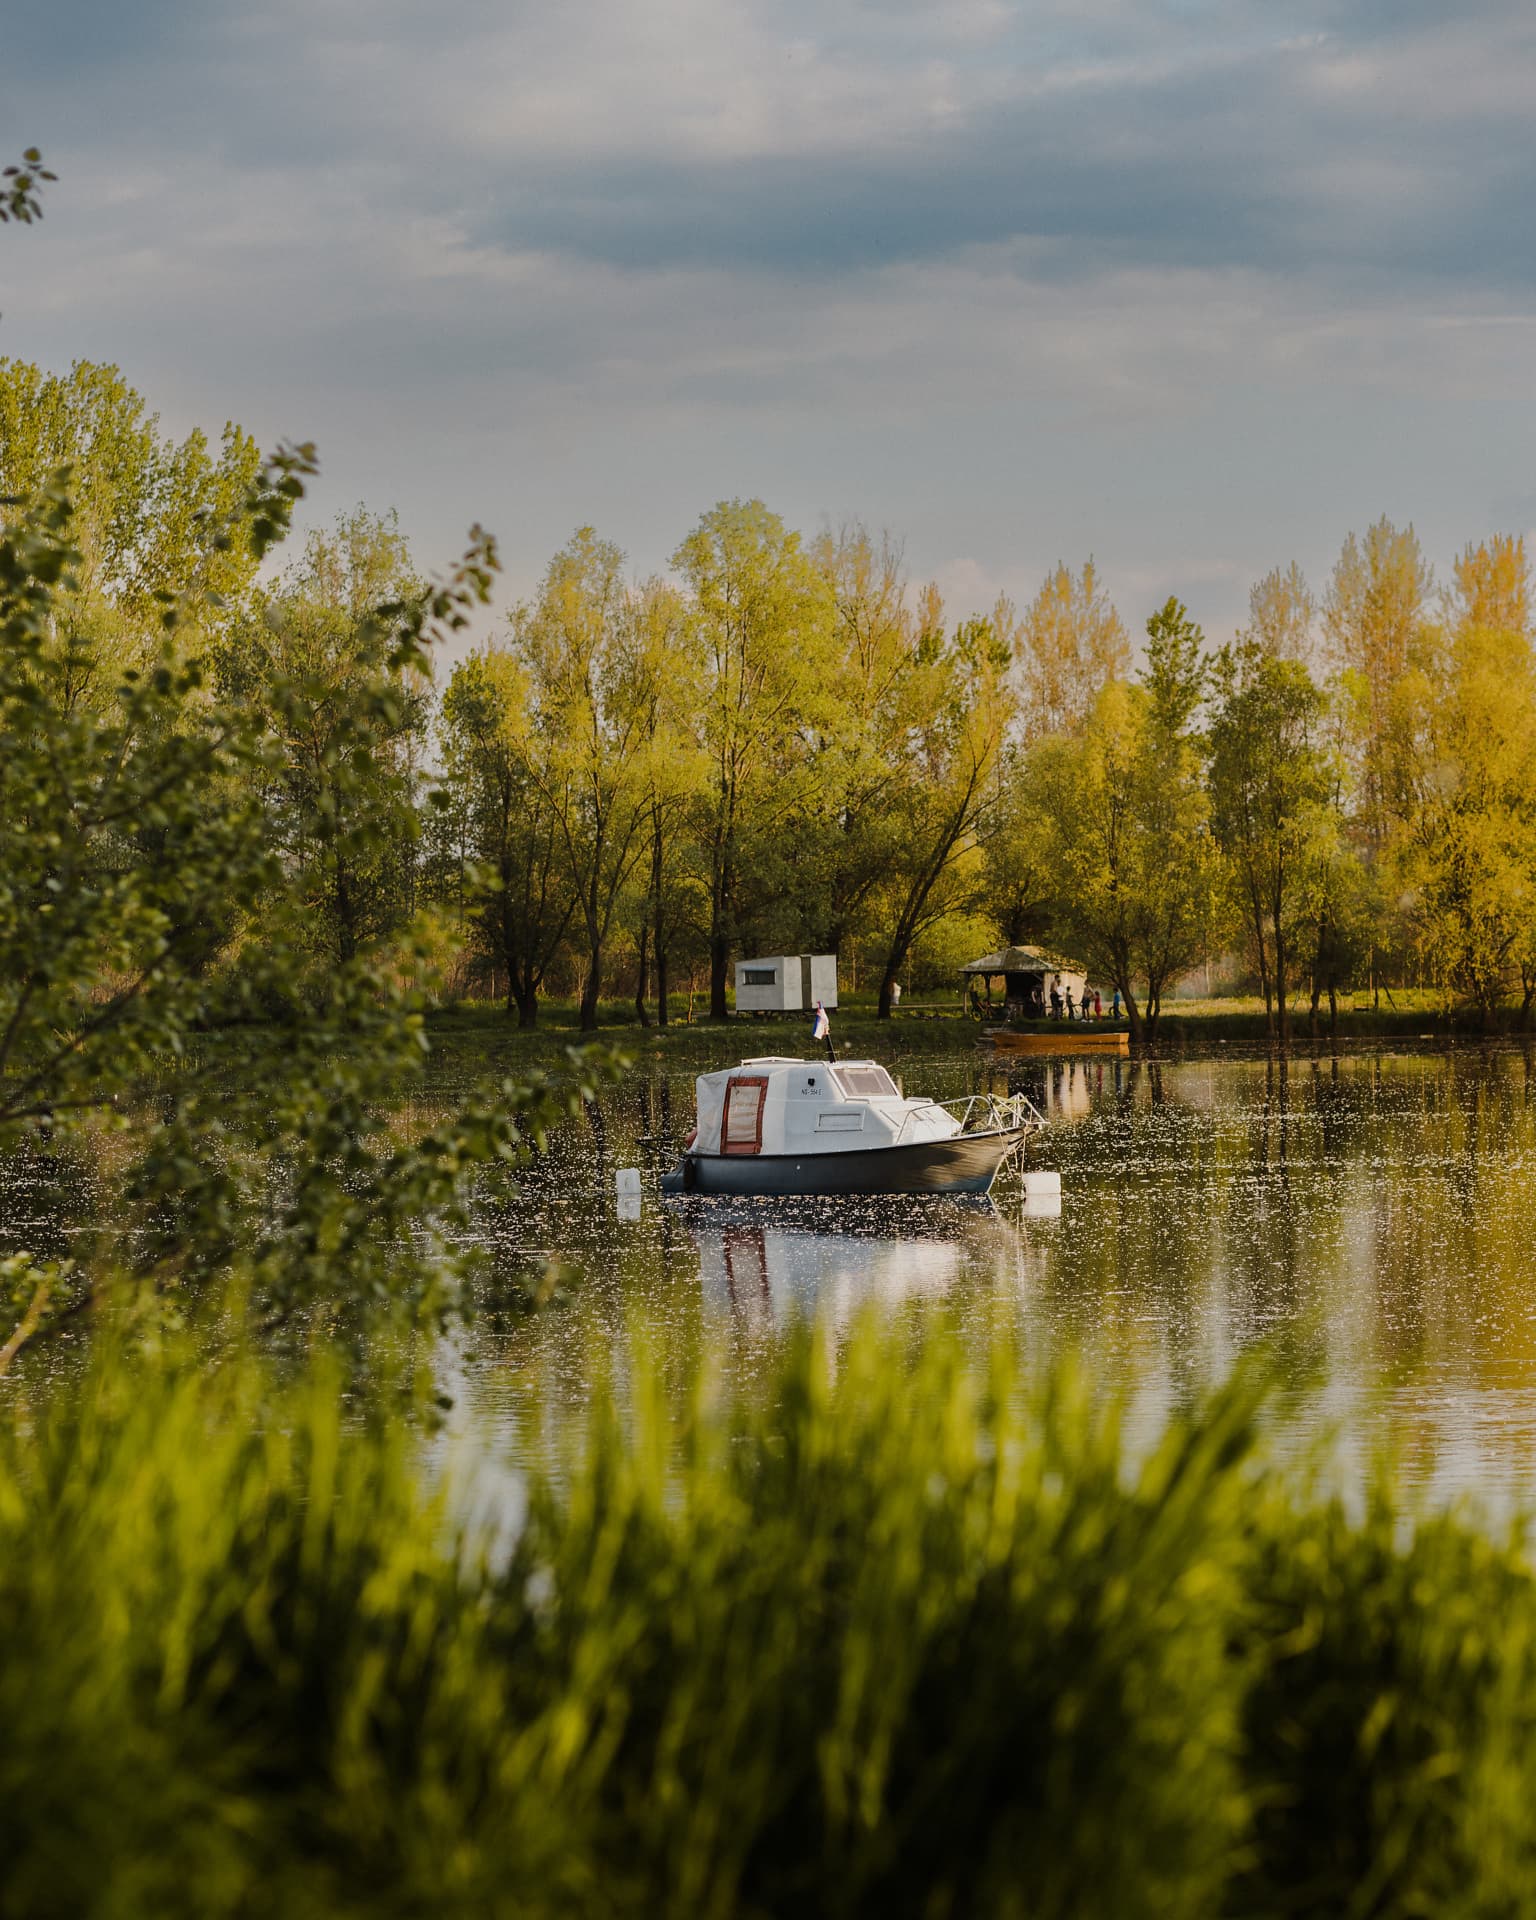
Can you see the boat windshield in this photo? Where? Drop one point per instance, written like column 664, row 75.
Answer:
column 865, row 1083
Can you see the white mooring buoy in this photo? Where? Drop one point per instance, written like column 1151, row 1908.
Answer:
column 1042, row 1194
column 626, row 1181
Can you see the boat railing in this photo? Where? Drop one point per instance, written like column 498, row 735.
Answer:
column 983, row 1113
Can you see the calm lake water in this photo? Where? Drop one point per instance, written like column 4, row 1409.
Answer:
column 1370, row 1214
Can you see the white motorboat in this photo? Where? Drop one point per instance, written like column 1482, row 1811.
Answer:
column 784, row 1126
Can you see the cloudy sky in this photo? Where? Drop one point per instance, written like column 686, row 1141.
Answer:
column 1193, row 287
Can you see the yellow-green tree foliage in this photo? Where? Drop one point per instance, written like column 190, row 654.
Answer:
column 959, row 707
column 509, row 857
column 1071, row 643
column 590, row 682
column 1375, row 605
column 1122, row 811
column 1272, row 794
column 151, row 515
column 1464, row 730
column 1282, row 616
column 351, row 714
column 765, row 622
column 671, row 911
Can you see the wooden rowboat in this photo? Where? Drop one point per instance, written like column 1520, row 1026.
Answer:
column 1058, row 1039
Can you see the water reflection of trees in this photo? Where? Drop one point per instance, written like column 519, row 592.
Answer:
column 1372, row 1211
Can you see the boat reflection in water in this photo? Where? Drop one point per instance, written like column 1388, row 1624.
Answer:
column 767, row 1265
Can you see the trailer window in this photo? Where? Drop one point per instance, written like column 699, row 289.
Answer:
column 760, row 977
column 741, row 1129
column 866, row 1083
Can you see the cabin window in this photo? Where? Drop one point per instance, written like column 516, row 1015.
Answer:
column 741, row 1129
column 760, row 977
column 866, row 1083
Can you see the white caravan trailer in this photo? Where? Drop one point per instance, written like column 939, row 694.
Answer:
column 787, row 983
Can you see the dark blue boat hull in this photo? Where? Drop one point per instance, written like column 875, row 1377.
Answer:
column 967, row 1163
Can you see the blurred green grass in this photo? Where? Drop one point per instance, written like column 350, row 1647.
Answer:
column 908, row 1633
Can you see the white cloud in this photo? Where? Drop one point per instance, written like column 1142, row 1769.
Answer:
column 1193, row 289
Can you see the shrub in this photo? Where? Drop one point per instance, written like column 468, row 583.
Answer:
column 906, row 1636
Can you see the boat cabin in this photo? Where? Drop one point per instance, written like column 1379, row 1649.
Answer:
column 778, row 1105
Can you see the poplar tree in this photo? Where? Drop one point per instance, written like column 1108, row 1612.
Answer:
column 148, row 518
column 1465, row 733
column 1282, row 616
column 1070, row 643
column 590, row 687
column 882, row 642
column 958, row 709
column 669, row 679
column 764, row 618
column 517, row 881
column 1271, row 809
column 1123, row 809
column 1376, row 602
column 351, row 712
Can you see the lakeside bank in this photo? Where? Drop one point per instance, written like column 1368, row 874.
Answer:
column 481, row 1029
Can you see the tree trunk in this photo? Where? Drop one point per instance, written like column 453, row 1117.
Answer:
column 722, row 874
column 1153, row 1009
column 1317, row 994
column 525, row 999
column 640, row 979
column 658, row 935
column 592, row 986
column 1263, row 951
column 719, row 969
column 883, row 1005
column 1333, row 1008
column 1282, row 999
column 1133, row 1017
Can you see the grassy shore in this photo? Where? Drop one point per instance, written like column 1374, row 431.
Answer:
column 479, row 1030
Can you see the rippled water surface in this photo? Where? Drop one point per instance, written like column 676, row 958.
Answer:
column 1369, row 1213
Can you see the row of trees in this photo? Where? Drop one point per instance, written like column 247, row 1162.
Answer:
column 1345, row 792
column 791, row 743
column 786, row 745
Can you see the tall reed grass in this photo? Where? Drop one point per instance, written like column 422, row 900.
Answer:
column 909, row 1636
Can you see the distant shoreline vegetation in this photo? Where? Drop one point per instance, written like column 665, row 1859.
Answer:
column 935, row 1026
column 787, row 745
column 254, row 834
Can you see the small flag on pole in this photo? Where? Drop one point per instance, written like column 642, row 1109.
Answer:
column 822, row 1026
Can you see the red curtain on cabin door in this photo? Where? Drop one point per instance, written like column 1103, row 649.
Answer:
column 741, row 1128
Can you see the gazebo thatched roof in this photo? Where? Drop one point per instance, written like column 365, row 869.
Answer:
column 1023, row 960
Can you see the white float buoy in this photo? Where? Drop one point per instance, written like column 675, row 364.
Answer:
column 1039, row 1185
column 627, row 1181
